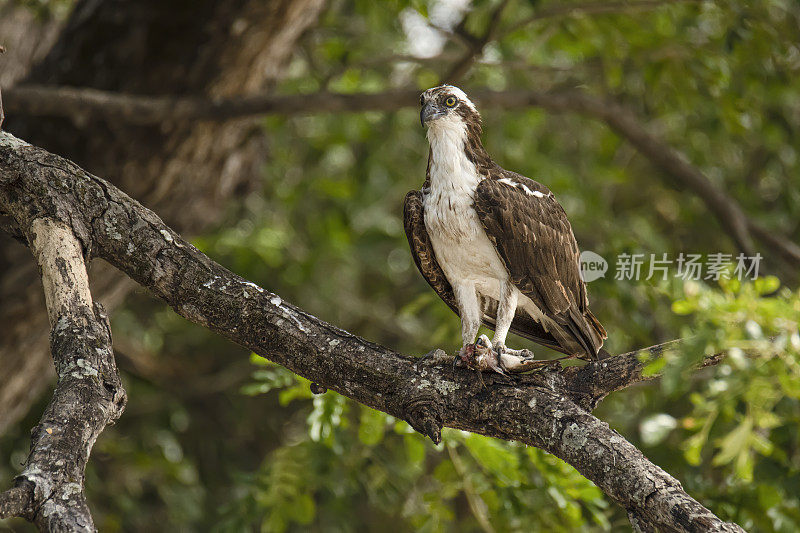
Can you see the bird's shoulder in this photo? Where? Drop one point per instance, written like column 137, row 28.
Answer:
column 522, row 183
column 523, row 198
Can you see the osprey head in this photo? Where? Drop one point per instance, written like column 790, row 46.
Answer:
column 446, row 104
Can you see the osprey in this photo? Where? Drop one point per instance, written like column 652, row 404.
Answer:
column 495, row 246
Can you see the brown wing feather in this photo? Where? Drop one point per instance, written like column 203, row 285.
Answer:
column 425, row 259
column 534, row 238
column 422, row 249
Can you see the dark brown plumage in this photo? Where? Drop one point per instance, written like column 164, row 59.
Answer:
column 535, row 241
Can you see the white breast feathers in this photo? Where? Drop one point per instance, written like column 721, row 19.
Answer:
column 448, row 203
column 462, row 248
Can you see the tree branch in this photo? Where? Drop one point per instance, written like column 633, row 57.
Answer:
column 89, row 394
column 37, row 185
column 787, row 249
column 79, row 103
column 17, row 501
column 75, row 103
column 590, row 8
column 476, row 46
column 588, row 384
column 475, row 502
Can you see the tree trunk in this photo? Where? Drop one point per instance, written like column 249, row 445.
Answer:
column 188, row 171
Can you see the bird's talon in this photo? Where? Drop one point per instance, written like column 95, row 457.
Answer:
column 481, row 356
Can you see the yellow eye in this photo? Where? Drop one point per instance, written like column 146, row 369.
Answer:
column 450, row 102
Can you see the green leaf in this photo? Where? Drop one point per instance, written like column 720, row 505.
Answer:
column 767, row 285
column 257, row 360
column 654, row 368
column 735, row 443
column 415, row 448
column 790, row 384
column 683, row 307
column 769, row 496
column 371, row 427
column 496, row 457
column 692, row 448
column 302, row 509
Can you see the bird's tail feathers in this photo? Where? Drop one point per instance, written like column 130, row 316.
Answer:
column 588, row 331
column 598, row 327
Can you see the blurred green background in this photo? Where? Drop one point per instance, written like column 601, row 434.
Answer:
column 214, row 439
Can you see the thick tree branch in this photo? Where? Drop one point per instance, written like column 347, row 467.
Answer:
column 89, row 394
column 37, row 185
column 787, row 249
column 588, row 384
column 676, row 169
column 17, row 502
column 79, row 103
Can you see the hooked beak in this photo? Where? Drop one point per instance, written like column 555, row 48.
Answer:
column 429, row 112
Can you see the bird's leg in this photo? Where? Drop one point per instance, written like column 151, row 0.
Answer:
column 478, row 354
column 506, row 309
column 470, row 311
column 512, row 360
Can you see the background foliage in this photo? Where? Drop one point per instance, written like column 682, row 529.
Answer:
column 214, row 440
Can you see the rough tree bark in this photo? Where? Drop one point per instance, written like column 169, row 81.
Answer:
column 549, row 409
column 89, row 394
column 189, row 169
